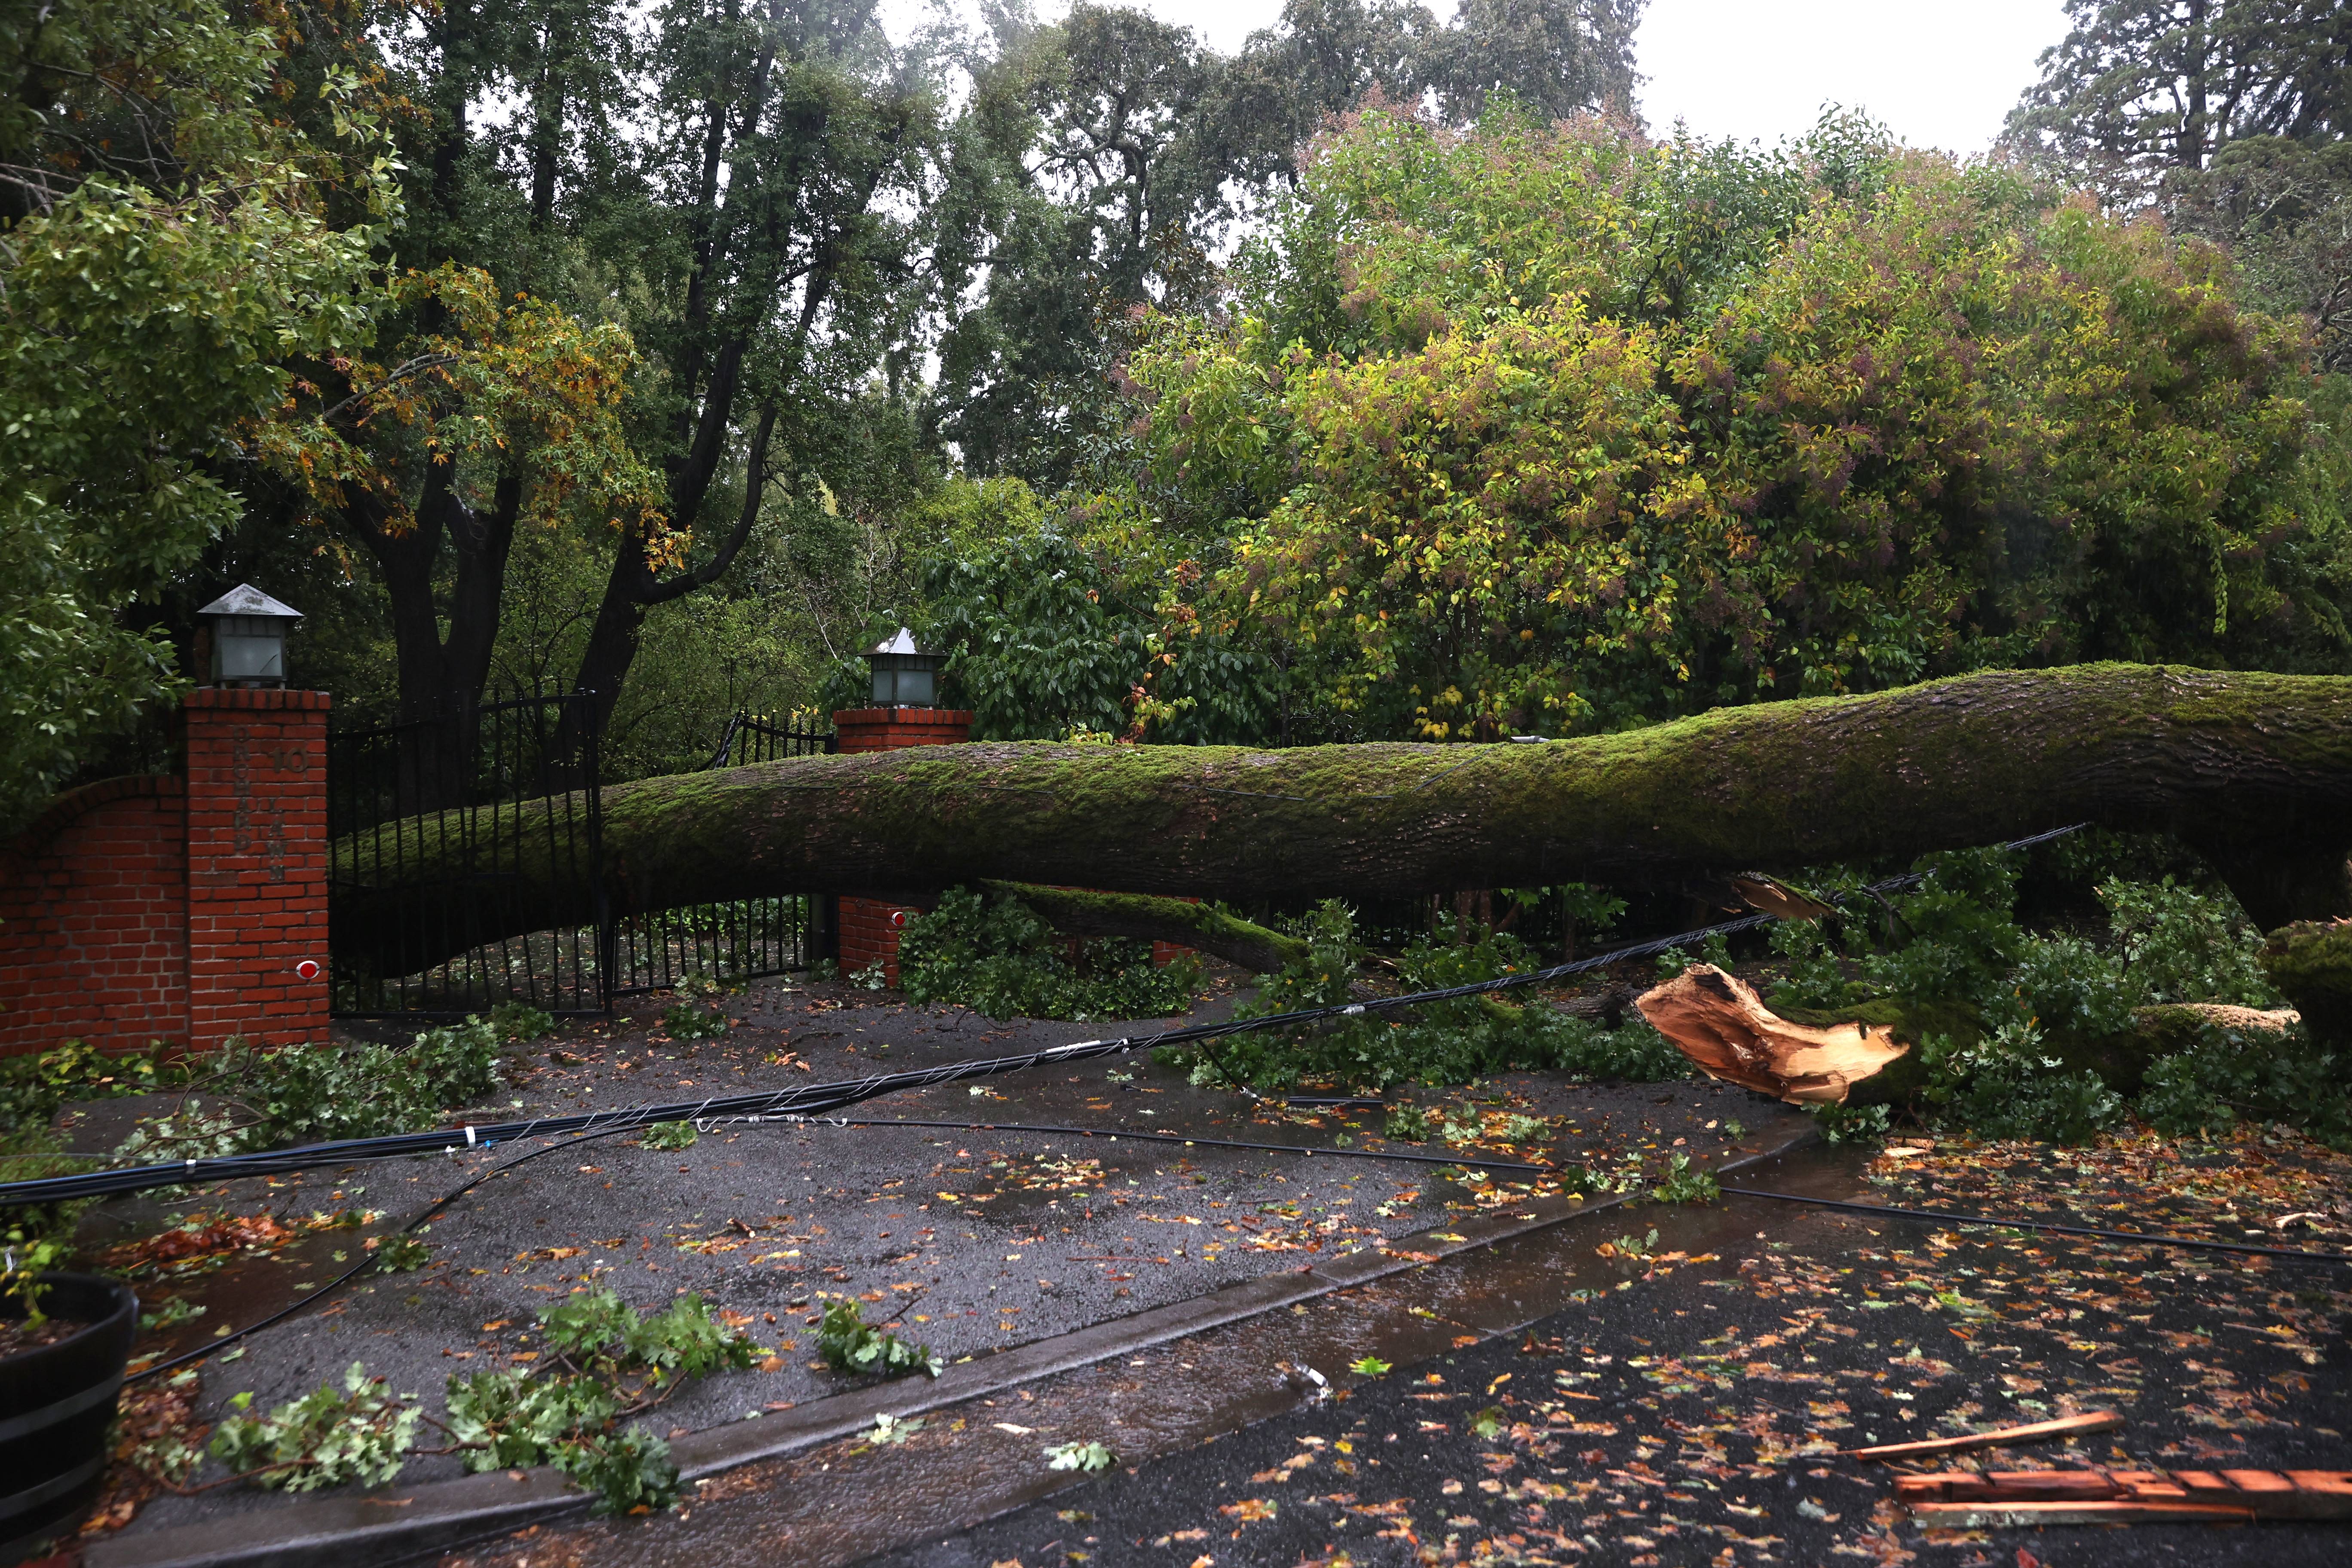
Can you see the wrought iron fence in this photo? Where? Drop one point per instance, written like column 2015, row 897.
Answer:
column 742, row 940
column 435, row 822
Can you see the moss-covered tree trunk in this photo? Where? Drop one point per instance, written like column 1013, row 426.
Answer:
column 2253, row 769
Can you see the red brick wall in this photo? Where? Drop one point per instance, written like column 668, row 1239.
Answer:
column 93, row 920
column 256, row 866
column 140, row 909
column 893, row 729
column 869, row 927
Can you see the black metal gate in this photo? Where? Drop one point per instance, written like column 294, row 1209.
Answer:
column 742, row 940
column 433, row 822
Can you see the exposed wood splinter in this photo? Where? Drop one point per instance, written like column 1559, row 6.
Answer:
column 1963, row 1499
column 1717, row 1020
column 2001, row 1437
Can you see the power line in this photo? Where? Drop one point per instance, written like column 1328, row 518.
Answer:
column 816, row 1099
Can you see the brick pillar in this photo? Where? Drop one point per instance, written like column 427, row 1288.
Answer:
column 869, row 927
column 257, row 804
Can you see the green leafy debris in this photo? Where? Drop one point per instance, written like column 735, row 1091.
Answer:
column 848, row 1343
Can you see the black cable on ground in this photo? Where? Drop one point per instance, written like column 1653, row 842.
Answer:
column 2093, row 1233
column 818, row 1098
column 215, row 1346
column 1114, row 1133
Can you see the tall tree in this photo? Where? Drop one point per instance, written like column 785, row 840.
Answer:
column 2141, row 88
column 1116, row 200
column 741, row 196
column 791, row 235
column 166, row 238
column 1558, row 58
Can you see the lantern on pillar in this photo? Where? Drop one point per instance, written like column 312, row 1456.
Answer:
column 249, row 633
column 905, row 677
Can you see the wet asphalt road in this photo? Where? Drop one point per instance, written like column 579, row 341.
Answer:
column 1546, row 1404
column 969, row 1241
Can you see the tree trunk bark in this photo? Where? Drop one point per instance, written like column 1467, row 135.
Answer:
column 2254, row 769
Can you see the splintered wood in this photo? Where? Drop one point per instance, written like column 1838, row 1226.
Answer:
column 1964, row 1500
column 1717, row 1021
column 2001, row 1437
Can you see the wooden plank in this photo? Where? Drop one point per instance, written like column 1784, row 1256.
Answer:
column 2257, row 1480
column 2313, row 1494
column 2153, row 1485
column 2027, row 1486
column 2002, row 1515
column 2089, row 1421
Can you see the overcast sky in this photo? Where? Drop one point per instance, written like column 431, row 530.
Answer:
column 1762, row 68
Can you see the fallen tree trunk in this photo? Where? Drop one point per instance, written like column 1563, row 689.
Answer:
column 2253, row 769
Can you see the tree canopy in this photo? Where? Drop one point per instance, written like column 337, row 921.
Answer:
column 1380, row 379
column 1548, row 427
column 170, row 253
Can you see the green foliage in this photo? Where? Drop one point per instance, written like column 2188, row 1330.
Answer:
column 2008, row 1084
column 1449, row 1042
column 33, row 1089
column 1683, row 1185
column 1958, row 942
column 695, row 1020
column 613, row 1364
column 174, row 1312
column 1088, row 1458
column 1548, row 428
column 1712, row 948
column 2230, row 1074
column 1852, row 1123
column 1636, row 1246
column 991, row 951
column 630, row 1469
column 2136, row 91
column 26, row 1257
column 519, row 1023
column 166, row 248
column 361, row 1435
column 2005, row 1015
column 2180, row 945
column 669, row 1135
column 1406, row 1124
column 848, row 1343
column 402, row 1254
column 243, row 1099
column 1046, row 637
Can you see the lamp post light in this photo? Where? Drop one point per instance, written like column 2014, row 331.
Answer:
column 905, row 677
column 248, row 634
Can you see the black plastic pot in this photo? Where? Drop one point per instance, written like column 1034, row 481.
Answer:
column 57, row 1403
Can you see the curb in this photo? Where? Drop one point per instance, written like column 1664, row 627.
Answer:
column 394, row 1524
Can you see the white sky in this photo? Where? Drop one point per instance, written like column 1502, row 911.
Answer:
column 1939, row 76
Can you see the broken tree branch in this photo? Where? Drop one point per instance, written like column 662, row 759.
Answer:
column 1717, row 1021
column 2005, row 1436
